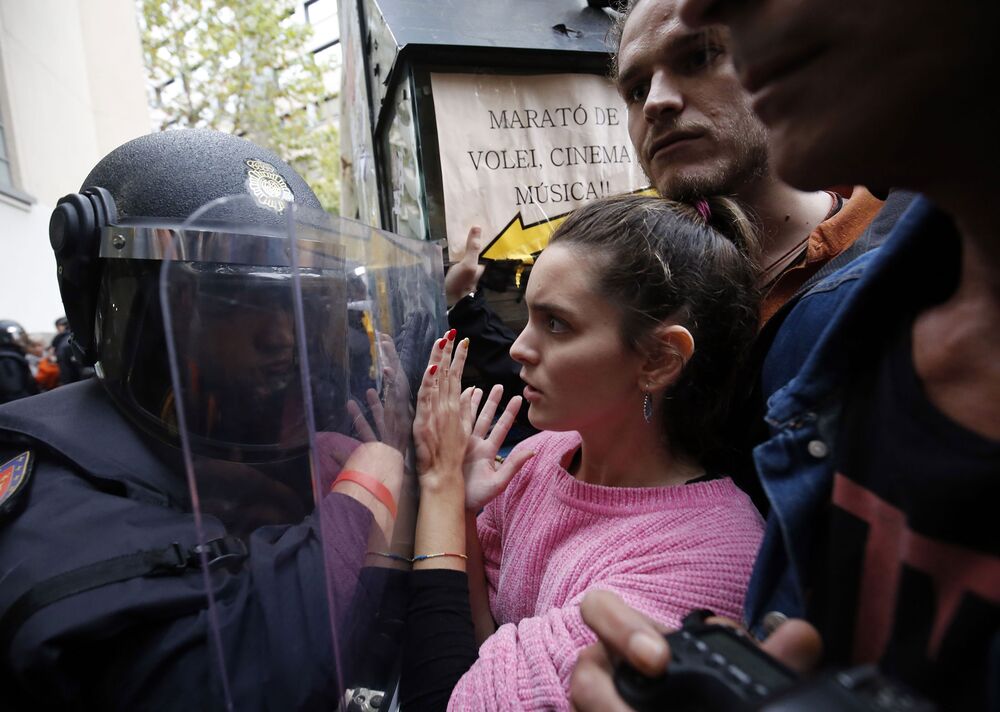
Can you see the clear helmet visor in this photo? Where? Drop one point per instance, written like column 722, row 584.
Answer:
column 242, row 365
column 289, row 352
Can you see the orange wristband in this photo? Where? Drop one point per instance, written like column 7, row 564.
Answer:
column 377, row 489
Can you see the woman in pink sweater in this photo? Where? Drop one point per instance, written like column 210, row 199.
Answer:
column 639, row 313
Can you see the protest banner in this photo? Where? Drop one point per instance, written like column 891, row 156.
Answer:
column 519, row 153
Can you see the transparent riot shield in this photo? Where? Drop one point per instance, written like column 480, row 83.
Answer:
column 295, row 345
column 395, row 310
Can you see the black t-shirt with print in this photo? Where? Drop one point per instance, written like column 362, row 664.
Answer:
column 911, row 573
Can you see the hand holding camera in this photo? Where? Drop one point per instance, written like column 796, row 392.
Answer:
column 715, row 668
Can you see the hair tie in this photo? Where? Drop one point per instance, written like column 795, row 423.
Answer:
column 701, row 205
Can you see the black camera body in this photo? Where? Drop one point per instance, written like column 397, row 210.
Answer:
column 714, row 668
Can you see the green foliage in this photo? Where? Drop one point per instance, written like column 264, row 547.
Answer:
column 243, row 67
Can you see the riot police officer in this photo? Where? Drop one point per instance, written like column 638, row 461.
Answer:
column 16, row 380
column 184, row 468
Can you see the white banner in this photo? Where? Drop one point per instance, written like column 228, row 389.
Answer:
column 518, row 153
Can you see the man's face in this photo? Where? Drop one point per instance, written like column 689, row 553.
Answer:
column 251, row 351
column 880, row 93
column 689, row 119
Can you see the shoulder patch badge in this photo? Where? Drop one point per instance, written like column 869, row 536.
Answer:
column 267, row 186
column 14, row 476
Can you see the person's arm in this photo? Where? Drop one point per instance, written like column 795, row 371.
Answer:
column 441, row 431
column 479, row 599
column 382, row 465
column 485, row 479
column 463, row 276
column 624, row 633
column 451, row 454
column 439, row 645
column 529, row 663
column 665, row 574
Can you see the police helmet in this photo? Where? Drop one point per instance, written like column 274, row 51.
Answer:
column 13, row 334
column 108, row 244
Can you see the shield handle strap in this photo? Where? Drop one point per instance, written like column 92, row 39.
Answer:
column 172, row 560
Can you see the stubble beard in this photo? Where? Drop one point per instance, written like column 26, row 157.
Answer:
column 722, row 177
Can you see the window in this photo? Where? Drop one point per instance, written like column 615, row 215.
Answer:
column 8, row 173
column 8, row 183
column 328, row 60
column 322, row 15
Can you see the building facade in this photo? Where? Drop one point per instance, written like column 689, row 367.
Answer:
column 72, row 88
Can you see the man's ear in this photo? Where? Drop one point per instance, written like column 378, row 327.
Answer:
column 670, row 348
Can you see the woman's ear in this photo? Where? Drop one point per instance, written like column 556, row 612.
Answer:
column 670, row 349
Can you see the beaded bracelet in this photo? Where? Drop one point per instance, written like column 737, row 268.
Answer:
column 421, row 557
column 424, row 557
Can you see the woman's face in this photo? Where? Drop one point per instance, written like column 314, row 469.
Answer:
column 577, row 369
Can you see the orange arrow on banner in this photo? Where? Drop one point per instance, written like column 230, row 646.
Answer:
column 517, row 241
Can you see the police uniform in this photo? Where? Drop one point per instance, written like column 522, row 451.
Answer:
column 104, row 602
column 99, row 506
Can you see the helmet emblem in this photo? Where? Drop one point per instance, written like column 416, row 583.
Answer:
column 267, row 187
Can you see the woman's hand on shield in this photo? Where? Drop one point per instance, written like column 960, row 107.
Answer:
column 443, row 423
column 487, row 475
column 394, row 418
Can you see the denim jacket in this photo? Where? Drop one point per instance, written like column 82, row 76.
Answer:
column 834, row 329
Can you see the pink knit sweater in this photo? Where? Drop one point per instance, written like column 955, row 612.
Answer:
column 549, row 538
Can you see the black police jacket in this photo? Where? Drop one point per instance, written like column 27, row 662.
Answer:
column 74, row 640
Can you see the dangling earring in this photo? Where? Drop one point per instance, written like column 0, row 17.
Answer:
column 647, row 407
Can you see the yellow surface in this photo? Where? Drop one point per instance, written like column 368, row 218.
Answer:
column 521, row 242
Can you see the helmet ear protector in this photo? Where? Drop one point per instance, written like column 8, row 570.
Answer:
column 75, row 235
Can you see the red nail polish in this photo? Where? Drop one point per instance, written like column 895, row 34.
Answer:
column 451, row 334
column 434, row 369
column 442, row 343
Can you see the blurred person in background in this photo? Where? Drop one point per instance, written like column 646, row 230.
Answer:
column 71, row 368
column 16, row 379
